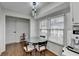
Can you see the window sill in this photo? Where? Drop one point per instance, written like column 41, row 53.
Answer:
column 55, row 43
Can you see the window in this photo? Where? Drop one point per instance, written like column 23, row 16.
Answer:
column 43, row 28
column 53, row 29
column 43, row 24
column 56, row 31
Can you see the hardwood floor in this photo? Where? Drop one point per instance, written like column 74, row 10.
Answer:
column 16, row 50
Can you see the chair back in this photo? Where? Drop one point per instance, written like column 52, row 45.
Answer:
column 40, row 44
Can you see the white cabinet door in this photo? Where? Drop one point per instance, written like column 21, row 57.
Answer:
column 22, row 26
column 10, row 30
column 15, row 27
column 75, row 11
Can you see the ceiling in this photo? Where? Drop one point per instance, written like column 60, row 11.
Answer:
column 23, row 7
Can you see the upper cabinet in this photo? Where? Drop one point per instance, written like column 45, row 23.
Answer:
column 75, row 11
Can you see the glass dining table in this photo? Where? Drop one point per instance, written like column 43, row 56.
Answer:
column 35, row 40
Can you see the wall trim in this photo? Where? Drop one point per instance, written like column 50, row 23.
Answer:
column 2, row 51
column 55, row 43
column 51, row 52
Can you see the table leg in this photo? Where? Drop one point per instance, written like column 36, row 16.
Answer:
column 35, row 50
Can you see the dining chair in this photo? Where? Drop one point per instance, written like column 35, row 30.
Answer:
column 35, row 49
column 28, row 48
column 42, row 47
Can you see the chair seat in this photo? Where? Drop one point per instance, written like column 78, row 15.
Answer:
column 41, row 48
column 28, row 49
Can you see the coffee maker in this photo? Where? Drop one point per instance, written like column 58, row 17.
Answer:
column 75, row 37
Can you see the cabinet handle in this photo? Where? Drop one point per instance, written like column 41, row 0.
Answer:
column 14, row 31
column 72, row 19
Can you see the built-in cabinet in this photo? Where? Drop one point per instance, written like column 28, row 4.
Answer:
column 15, row 27
column 75, row 11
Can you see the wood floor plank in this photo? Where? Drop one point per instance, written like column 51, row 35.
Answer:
column 16, row 49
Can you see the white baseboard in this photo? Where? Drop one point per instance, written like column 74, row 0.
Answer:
column 53, row 52
column 2, row 51
column 13, row 42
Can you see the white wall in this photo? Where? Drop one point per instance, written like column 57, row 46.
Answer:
column 2, row 31
column 33, row 28
column 54, row 8
column 15, row 14
column 68, row 28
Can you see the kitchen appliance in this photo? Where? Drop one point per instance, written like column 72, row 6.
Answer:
column 73, row 48
column 70, row 51
column 75, row 37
